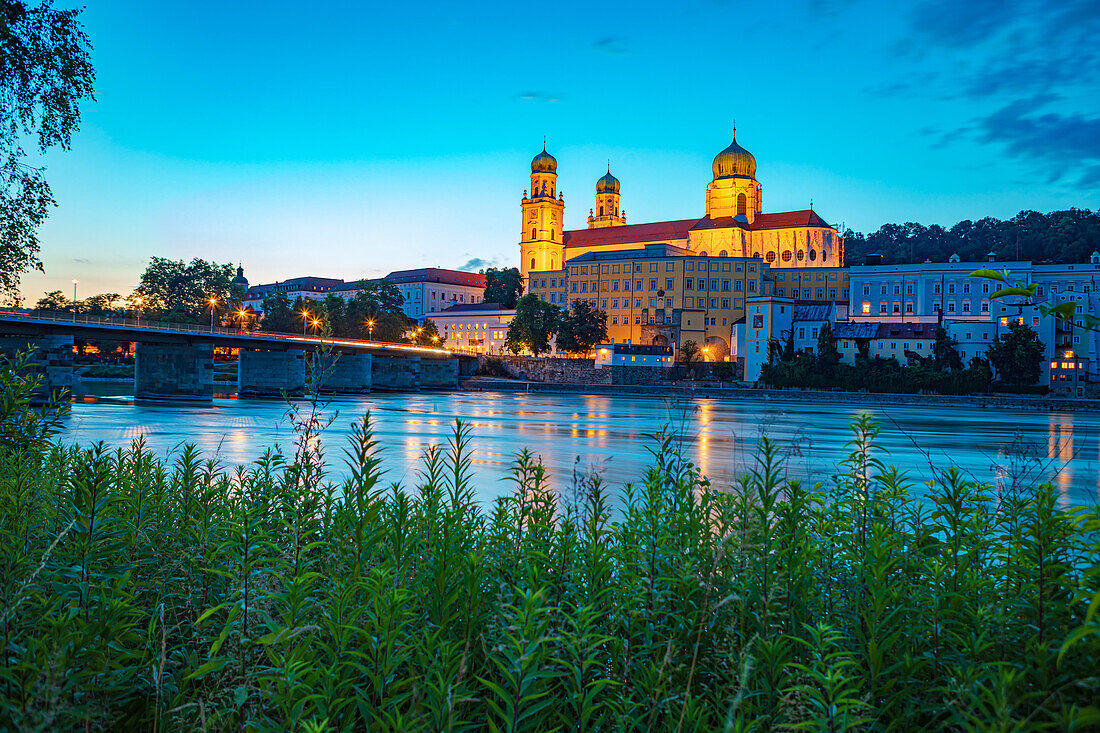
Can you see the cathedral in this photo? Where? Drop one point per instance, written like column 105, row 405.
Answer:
column 735, row 224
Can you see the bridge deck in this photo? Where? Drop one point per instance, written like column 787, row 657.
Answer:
column 135, row 329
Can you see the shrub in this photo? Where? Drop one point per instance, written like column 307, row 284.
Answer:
column 144, row 594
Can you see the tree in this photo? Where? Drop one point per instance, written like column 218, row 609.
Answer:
column 427, row 334
column 945, row 352
column 689, row 352
column 1017, row 355
column 45, row 73
column 581, row 328
column 534, row 323
column 375, row 311
column 828, row 356
column 54, row 300
column 503, row 286
column 99, row 304
column 279, row 314
column 178, row 291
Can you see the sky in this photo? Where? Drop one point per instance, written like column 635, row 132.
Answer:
column 350, row 139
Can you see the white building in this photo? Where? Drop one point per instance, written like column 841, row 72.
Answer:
column 428, row 290
column 308, row 288
column 478, row 328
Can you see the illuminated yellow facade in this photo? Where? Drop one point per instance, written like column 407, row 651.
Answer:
column 734, row 225
column 659, row 294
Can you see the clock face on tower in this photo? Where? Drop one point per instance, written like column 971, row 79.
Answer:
column 533, row 216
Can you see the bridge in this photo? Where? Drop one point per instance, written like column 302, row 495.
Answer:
column 176, row 360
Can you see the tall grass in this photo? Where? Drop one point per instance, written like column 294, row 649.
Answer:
column 140, row 594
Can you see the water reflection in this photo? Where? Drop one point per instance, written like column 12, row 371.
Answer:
column 614, row 434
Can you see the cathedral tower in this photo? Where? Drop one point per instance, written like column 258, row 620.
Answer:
column 541, row 239
column 606, row 213
column 734, row 191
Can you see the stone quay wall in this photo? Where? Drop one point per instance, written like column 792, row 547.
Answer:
column 552, row 369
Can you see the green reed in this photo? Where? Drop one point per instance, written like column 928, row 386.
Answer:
column 138, row 593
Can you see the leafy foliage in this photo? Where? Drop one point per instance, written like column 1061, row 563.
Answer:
column 45, row 74
column 427, row 334
column 503, row 285
column 689, row 351
column 581, row 327
column 137, row 593
column 99, row 304
column 280, row 315
column 875, row 374
column 375, row 311
column 533, row 326
column 1059, row 236
column 1017, row 354
column 174, row 290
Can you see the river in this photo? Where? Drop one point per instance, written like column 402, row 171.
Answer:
column 613, row 434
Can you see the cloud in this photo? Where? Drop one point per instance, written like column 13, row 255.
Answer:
column 1066, row 147
column 537, row 96
column 478, row 263
column 614, row 45
column 82, row 261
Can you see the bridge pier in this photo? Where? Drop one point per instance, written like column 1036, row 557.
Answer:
column 261, row 372
column 397, row 373
column 52, row 359
column 439, row 373
column 174, row 371
column 342, row 373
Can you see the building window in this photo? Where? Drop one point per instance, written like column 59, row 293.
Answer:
column 668, row 283
column 936, row 288
column 866, row 308
column 908, row 307
column 882, row 308
column 866, row 289
column 725, row 302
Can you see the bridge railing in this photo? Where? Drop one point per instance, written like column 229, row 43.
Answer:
column 236, row 333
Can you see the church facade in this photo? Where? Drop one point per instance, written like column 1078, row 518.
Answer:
column 734, row 225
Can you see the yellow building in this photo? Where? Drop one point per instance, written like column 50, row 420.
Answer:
column 734, row 225
column 659, row 293
column 812, row 283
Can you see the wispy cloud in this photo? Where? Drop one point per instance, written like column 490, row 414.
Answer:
column 615, row 45
column 538, row 96
column 479, row 263
column 1064, row 146
column 82, row 261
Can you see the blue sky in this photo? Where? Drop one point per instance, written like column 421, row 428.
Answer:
column 351, row 139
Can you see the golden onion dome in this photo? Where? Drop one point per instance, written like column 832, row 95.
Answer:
column 734, row 161
column 544, row 162
column 607, row 183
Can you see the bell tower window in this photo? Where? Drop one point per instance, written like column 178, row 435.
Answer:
column 532, row 233
column 532, row 263
column 742, row 205
column 601, row 211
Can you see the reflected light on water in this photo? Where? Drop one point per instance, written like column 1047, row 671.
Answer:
column 613, row 433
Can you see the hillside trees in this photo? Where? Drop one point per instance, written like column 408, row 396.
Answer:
column 1017, row 354
column 504, row 286
column 533, row 326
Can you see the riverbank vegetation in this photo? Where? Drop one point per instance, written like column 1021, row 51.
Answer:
column 139, row 592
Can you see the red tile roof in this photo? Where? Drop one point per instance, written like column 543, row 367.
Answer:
column 784, row 219
column 438, row 275
column 658, row 231
column 666, row 231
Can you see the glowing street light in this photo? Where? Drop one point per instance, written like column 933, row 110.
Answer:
column 370, row 329
column 75, row 283
column 213, row 303
column 316, row 323
column 139, row 301
column 304, row 314
column 243, row 315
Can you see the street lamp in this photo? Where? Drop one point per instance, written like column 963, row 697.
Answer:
column 139, row 300
column 213, row 302
column 75, row 282
column 316, row 323
column 370, row 330
column 304, row 315
column 243, row 315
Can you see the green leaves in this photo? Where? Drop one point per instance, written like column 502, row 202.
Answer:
column 137, row 593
